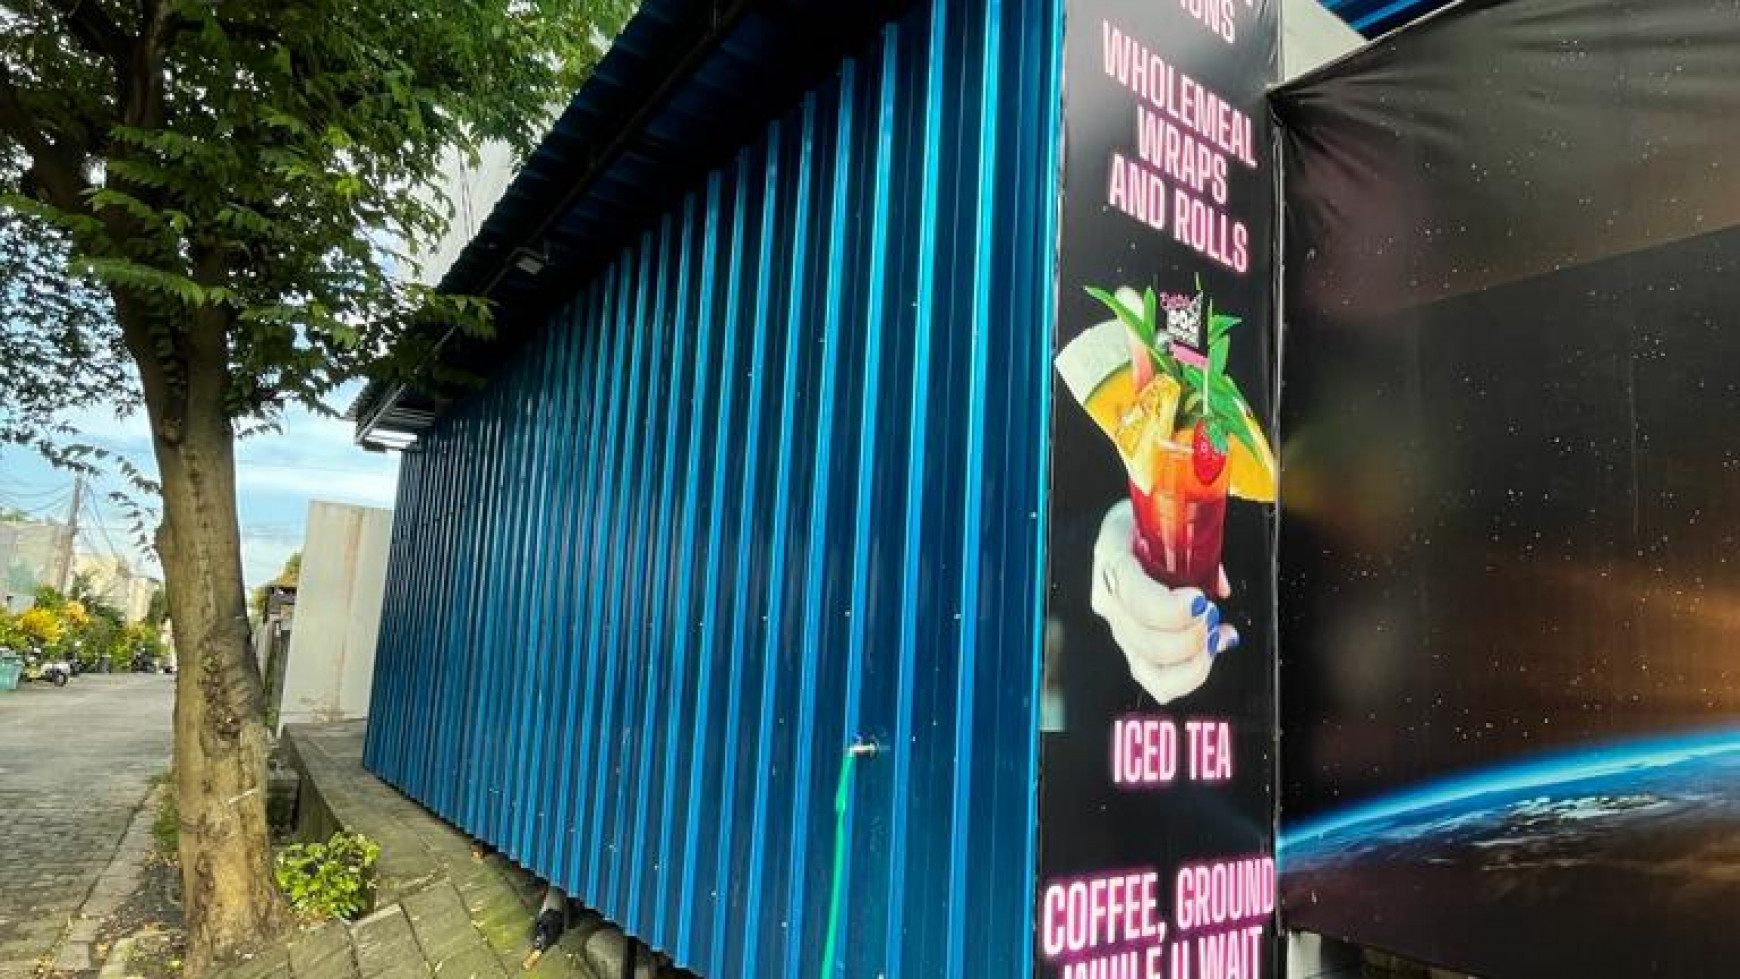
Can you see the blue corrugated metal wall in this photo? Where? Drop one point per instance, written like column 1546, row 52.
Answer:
column 771, row 480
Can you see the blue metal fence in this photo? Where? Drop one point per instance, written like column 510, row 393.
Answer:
column 771, row 481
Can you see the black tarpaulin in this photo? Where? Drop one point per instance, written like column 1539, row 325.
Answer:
column 1508, row 575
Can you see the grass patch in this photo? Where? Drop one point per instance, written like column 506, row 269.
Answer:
column 166, row 822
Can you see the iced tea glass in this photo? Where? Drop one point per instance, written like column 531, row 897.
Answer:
column 1180, row 522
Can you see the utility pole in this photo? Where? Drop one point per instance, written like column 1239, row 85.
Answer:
column 72, row 534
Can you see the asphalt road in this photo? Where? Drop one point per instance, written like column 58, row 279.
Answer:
column 75, row 764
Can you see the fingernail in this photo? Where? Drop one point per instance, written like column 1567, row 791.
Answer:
column 1226, row 645
column 1213, row 617
column 1213, row 642
column 1199, row 605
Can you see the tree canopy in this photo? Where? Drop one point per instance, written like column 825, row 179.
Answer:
column 254, row 163
column 204, row 206
column 48, row 318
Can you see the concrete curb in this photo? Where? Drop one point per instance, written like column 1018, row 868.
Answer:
column 116, row 965
column 443, row 911
column 118, row 881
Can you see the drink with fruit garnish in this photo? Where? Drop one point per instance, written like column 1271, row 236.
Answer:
column 1179, row 520
column 1181, row 426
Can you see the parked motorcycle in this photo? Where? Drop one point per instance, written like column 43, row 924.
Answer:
column 55, row 671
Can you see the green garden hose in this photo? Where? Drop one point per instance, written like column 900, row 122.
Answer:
column 842, row 802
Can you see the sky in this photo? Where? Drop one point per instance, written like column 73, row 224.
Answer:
column 277, row 475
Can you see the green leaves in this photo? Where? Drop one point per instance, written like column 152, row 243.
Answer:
column 1140, row 323
column 334, row 879
column 309, row 142
column 1209, row 394
column 1230, row 409
column 139, row 277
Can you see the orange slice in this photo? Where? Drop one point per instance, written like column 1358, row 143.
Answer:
column 1254, row 474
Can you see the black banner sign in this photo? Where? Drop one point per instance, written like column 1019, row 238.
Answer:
column 1158, row 744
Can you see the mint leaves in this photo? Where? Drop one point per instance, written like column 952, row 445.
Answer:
column 1210, row 395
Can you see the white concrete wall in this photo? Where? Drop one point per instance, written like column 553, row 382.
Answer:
column 472, row 192
column 139, row 596
column 331, row 663
column 1311, row 37
column 31, row 554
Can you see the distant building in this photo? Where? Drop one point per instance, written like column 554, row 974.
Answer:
column 473, row 189
column 32, row 554
column 112, row 579
column 274, row 614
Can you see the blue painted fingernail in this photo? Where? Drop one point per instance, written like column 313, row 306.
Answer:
column 1213, row 642
column 1199, row 606
column 1213, row 617
column 1226, row 642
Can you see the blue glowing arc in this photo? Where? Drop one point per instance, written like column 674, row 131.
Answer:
column 1555, row 769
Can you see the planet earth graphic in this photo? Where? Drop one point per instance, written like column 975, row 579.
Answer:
column 1617, row 861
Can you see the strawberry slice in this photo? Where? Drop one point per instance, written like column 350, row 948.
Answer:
column 1207, row 458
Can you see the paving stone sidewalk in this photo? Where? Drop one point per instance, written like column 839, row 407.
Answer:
column 75, row 765
column 441, row 911
column 77, row 950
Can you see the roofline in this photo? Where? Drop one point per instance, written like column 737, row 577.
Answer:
column 706, row 39
column 704, row 33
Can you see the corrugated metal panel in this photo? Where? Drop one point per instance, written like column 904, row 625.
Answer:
column 770, row 481
column 684, row 84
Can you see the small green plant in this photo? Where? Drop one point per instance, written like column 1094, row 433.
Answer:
column 334, row 879
column 166, row 823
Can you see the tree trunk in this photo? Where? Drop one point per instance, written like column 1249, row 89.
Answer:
column 230, row 900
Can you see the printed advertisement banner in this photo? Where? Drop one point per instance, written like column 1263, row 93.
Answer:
column 1510, row 609
column 1157, row 744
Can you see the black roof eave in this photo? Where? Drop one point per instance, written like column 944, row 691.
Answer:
column 750, row 60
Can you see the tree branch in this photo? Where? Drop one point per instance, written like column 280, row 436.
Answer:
column 94, row 29
column 61, row 177
column 142, row 80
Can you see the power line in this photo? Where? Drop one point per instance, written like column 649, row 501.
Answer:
column 24, row 492
column 294, row 467
column 242, row 462
column 43, row 510
column 102, row 528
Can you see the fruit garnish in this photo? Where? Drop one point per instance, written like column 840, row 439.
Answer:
column 1207, row 392
column 1207, row 452
column 1178, row 420
column 1095, row 366
column 1145, row 427
column 1254, row 475
column 1156, row 407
